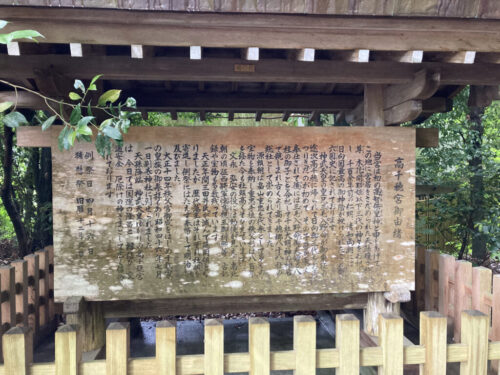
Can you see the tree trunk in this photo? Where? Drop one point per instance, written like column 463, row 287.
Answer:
column 7, row 194
column 43, row 187
column 476, row 181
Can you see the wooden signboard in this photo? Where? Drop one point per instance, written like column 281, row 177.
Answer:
column 215, row 211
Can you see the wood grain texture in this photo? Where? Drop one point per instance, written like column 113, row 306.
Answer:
column 441, row 8
column 304, row 344
column 474, row 333
column 391, row 341
column 347, row 342
column 433, row 337
column 166, row 340
column 214, row 347
column 249, row 237
column 259, row 342
column 117, row 348
column 68, row 350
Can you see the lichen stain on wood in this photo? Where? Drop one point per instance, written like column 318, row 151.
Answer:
column 205, row 211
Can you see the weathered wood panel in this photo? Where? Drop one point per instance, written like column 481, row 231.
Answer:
column 442, row 8
column 204, row 211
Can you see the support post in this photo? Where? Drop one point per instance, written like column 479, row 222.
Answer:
column 377, row 304
column 89, row 317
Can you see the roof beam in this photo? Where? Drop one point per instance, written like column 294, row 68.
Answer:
column 126, row 27
column 182, row 69
column 268, row 103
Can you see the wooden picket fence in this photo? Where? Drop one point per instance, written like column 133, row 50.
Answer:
column 451, row 286
column 26, row 290
column 390, row 356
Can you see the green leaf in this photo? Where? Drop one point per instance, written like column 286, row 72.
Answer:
column 3, row 24
column 83, row 127
column 131, row 103
column 5, row 106
column 112, row 132
column 74, row 96
column 47, row 123
column 79, row 85
column 89, row 109
column 85, row 120
column 103, row 145
column 94, row 80
column 14, row 120
column 71, row 138
column 109, row 96
column 93, row 87
column 62, row 139
column 76, row 115
column 25, row 34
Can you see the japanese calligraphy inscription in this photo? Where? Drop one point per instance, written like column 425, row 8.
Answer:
column 215, row 211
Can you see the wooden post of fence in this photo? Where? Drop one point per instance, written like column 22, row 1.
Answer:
column 481, row 289
column 347, row 343
column 433, row 327
column 474, row 333
column 8, row 279
column 17, row 344
column 68, row 350
column 214, row 347
column 117, row 348
column 50, row 295
column 391, row 341
column 495, row 317
column 463, row 291
column 21, row 272
column 446, row 292
column 33, row 292
column 420, row 278
column 259, row 346
column 304, row 344
column 431, row 280
column 166, row 351
column 44, row 286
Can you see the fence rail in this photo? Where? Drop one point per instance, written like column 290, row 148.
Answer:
column 26, row 293
column 473, row 352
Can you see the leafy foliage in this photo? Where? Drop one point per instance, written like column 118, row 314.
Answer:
column 449, row 165
column 6, row 38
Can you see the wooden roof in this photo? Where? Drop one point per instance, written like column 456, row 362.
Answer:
column 428, row 8
column 253, row 63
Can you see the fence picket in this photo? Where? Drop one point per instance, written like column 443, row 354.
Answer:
column 474, row 333
column 166, row 351
column 446, row 287
column 17, row 345
column 21, row 276
column 44, row 286
column 117, row 348
column 8, row 297
column 304, row 344
column 347, row 342
column 495, row 317
column 420, row 278
column 214, row 347
column 481, row 287
column 68, row 350
column 259, row 346
column 391, row 341
column 33, row 292
column 463, row 291
column 50, row 295
column 433, row 337
column 431, row 280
